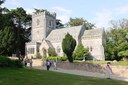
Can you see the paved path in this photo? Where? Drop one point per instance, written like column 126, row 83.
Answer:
column 82, row 73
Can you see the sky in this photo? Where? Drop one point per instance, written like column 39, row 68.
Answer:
column 98, row 12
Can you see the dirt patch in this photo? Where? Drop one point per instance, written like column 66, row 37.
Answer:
column 120, row 70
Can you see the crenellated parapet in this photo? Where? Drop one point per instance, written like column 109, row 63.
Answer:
column 44, row 12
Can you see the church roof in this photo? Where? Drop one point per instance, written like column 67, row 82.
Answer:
column 49, row 43
column 93, row 33
column 57, row 35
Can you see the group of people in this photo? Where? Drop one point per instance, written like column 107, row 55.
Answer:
column 51, row 63
column 27, row 60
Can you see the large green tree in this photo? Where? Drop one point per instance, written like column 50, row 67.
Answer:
column 68, row 46
column 80, row 52
column 116, row 42
column 80, row 21
column 7, row 34
column 22, row 27
column 20, row 22
column 7, row 40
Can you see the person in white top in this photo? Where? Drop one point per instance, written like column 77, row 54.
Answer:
column 54, row 63
column 108, row 70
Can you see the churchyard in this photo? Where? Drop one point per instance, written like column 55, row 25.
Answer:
column 75, row 47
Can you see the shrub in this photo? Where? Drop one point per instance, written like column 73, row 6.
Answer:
column 80, row 52
column 7, row 62
column 52, row 52
column 4, row 61
column 59, row 58
column 64, row 58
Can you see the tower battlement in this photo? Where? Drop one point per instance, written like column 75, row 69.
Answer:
column 52, row 14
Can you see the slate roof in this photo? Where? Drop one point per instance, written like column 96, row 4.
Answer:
column 57, row 35
column 93, row 33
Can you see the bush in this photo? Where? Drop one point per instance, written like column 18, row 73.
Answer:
column 59, row 58
column 64, row 58
column 80, row 52
column 7, row 62
column 4, row 61
column 52, row 52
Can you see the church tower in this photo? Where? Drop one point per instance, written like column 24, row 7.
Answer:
column 42, row 24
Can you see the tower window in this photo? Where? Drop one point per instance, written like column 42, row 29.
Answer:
column 50, row 23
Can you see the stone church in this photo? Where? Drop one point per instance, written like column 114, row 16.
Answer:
column 46, row 35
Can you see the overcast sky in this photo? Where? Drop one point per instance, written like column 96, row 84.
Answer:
column 98, row 12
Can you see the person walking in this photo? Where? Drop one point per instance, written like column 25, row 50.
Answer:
column 48, row 64
column 54, row 64
column 25, row 61
column 30, row 61
column 108, row 70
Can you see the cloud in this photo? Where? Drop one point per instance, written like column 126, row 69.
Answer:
column 15, row 2
column 122, row 10
column 102, row 18
column 60, row 9
column 29, row 11
column 62, row 13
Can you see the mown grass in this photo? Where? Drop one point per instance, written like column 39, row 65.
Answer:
column 26, row 76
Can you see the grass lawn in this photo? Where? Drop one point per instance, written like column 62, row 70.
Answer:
column 26, row 76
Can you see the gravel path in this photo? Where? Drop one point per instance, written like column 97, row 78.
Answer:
column 82, row 73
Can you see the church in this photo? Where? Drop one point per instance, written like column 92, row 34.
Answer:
column 45, row 35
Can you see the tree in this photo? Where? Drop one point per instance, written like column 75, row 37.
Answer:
column 1, row 2
column 21, row 22
column 80, row 21
column 76, row 21
column 68, row 46
column 116, row 42
column 7, row 40
column 122, row 23
column 80, row 52
column 59, row 24
column 123, row 54
column 7, row 34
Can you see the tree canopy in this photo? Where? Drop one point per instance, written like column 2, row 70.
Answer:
column 80, row 21
column 116, row 42
column 15, row 25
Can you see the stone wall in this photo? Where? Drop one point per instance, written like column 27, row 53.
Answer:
column 117, row 70
column 81, row 66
